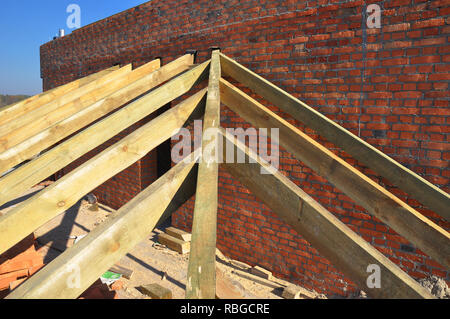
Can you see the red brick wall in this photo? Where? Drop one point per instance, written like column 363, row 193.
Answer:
column 388, row 85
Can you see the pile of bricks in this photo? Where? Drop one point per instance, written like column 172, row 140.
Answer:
column 18, row 264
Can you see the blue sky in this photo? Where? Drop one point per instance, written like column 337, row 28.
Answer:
column 27, row 24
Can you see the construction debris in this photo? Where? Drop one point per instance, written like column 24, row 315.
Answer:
column 178, row 233
column 125, row 272
column 156, row 291
column 13, row 285
column 227, row 288
column 240, row 264
column 92, row 200
column 437, row 286
column 173, row 243
column 296, row 292
column 261, row 272
column 257, row 279
column 18, row 264
column 117, row 285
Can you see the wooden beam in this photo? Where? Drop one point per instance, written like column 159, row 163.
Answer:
column 178, row 233
column 156, row 291
column 55, row 199
column 88, row 92
column 28, row 175
column 416, row 186
column 27, row 126
column 419, row 230
column 347, row 251
column 10, row 112
column 56, row 132
column 201, row 282
column 174, row 244
column 111, row 240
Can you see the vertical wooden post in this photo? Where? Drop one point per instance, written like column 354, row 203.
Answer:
column 201, row 281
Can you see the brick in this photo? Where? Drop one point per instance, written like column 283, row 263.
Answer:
column 25, row 262
column 25, row 245
column 429, row 23
column 35, row 269
column 173, row 243
column 13, row 285
column 6, row 279
column 117, row 285
column 15, row 274
column 396, row 27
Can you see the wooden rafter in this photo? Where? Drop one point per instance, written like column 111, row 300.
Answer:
column 426, row 235
column 56, row 132
column 416, row 186
column 10, row 112
column 32, row 122
column 201, row 282
column 114, row 238
column 45, row 121
column 55, row 199
column 332, row 238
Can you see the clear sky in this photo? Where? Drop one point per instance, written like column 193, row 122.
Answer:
column 27, row 24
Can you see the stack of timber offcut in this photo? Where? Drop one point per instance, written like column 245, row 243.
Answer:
column 176, row 239
column 18, row 264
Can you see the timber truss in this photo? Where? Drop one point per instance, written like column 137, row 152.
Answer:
column 67, row 122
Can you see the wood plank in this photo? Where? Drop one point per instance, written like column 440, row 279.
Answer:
column 10, row 112
column 77, row 121
column 201, row 282
column 27, row 126
column 175, row 244
column 13, row 184
column 296, row 292
column 347, row 251
column 156, row 291
column 110, row 241
column 178, row 233
column 84, row 94
column 413, row 184
column 125, row 272
column 259, row 280
column 61, row 195
column 406, row 221
column 261, row 272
